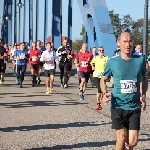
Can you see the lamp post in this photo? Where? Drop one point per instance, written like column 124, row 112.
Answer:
column 145, row 30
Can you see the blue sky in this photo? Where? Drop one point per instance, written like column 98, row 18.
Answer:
column 122, row 7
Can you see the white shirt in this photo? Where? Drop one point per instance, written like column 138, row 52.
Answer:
column 51, row 57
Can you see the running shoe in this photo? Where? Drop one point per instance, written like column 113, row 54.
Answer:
column 38, row 81
column 98, row 107
column 20, row 85
column 2, row 79
column 51, row 89
column 17, row 81
column 1, row 82
column 48, row 92
column 65, row 86
column 81, row 96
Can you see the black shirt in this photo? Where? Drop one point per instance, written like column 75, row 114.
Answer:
column 2, row 52
column 63, row 57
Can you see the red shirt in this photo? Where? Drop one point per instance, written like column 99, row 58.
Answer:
column 72, row 54
column 34, row 55
column 84, row 61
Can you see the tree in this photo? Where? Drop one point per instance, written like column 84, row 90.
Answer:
column 82, row 33
column 126, row 23
column 116, row 22
column 76, row 45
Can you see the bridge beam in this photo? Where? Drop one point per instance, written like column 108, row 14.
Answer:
column 56, row 23
column 70, row 22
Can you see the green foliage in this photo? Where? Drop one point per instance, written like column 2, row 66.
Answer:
column 126, row 23
column 76, row 45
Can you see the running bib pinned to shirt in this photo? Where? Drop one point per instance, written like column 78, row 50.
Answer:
column 128, row 86
column 84, row 63
column 34, row 58
column 49, row 62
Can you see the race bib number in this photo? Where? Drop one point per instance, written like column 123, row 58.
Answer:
column 100, row 74
column 49, row 62
column 84, row 63
column 128, row 86
column 34, row 58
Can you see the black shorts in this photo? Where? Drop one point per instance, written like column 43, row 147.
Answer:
column 34, row 66
column 97, row 84
column 2, row 67
column 69, row 67
column 50, row 72
column 129, row 119
column 85, row 75
column 41, row 63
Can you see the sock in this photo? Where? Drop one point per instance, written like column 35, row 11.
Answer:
column 48, row 88
column 81, row 91
column 51, row 85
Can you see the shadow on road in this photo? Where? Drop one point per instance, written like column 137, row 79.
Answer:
column 78, row 145
column 51, row 126
column 38, row 103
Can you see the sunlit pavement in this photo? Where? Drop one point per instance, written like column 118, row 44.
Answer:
column 30, row 119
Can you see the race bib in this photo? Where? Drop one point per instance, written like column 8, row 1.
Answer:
column 49, row 62
column 100, row 74
column 128, row 86
column 84, row 63
column 34, row 58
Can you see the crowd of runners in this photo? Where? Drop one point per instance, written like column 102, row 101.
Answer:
column 127, row 70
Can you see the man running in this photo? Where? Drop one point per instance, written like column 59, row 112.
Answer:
column 98, row 64
column 3, row 55
column 94, row 53
column 41, row 48
column 63, row 54
column 21, row 57
column 13, row 49
column 35, row 55
column 130, row 86
column 49, row 56
column 83, row 60
column 70, row 57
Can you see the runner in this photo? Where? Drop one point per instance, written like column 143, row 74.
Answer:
column 41, row 48
column 128, row 94
column 63, row 54
column 3, row 55
column 49, row 56
column 21, row 57
column 98, row 64
column 83, row 60
column 94, row 53
column 70, row 57
column 35, row 55
column 14, row 48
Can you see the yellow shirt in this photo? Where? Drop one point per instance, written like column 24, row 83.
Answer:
column 99, row 65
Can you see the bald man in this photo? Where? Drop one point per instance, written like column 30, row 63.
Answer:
column 128, row 95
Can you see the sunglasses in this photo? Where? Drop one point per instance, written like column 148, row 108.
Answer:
column 101, row 50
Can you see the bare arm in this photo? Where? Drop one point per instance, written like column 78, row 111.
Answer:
column 103, row 84
column 145, row 85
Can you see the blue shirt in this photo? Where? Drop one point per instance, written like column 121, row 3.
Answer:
column 21, row 54
column 127, row 75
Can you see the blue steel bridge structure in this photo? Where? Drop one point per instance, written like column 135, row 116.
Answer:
column 29, row 20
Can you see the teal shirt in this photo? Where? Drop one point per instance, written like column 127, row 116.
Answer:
column 127, row 75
